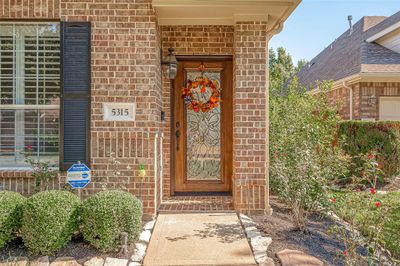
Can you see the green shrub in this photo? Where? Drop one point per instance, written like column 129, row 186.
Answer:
column 10, row 215
column 365, row 137
column 106, row 215
column 49, row 220
column 303, row 156
column 382, row 222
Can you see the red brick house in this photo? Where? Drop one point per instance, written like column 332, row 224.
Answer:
column 84, row 81
column 364, row 64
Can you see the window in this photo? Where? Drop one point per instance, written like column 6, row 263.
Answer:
column 29, row 93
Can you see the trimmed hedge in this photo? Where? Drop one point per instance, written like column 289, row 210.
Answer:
column 383, row 137
column 10, row 215
column 49, row 220
column 106, row 215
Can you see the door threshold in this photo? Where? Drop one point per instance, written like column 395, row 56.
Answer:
column 197, row 202
column 202, row 194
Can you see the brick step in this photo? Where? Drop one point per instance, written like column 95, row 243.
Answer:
column 189, row 204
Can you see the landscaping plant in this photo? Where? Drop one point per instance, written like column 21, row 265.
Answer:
column 372, row 222
column 10, row 215
column 304, row 156
column 383, row 137
column 49, row 220
column 108, row 214
column 366, row 172
column 281, row 69
column 42, row 172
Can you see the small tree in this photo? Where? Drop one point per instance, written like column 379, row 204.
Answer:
column 281, row 69
column 304, row 157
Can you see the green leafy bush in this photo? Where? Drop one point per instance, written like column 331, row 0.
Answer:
column 366, row 137
column 10, row 215
column 378, row 223
column 49, row 220
column 304, row 158
column 107, row 214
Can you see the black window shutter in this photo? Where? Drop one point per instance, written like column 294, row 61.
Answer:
column 75, row 93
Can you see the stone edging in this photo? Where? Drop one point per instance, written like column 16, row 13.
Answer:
column 142, row 243
column 259, row 244
column 136, row 259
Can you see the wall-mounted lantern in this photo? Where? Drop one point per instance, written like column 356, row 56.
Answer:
column 169, row 65
column 372, row 100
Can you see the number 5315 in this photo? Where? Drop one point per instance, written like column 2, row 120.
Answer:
column 120, row 112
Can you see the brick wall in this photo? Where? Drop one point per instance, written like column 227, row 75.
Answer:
column 198, row 40
column 116, row 157
column 362, row 108
column 125, row 68
column 376, row 89
column 340, row 98
column 30, row 9
column 250, row 145
column 21, row 181
column 356, row 101
column 189, row 40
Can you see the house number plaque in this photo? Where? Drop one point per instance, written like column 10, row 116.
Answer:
column 119, row 111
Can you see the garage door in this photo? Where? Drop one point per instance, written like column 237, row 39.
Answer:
column 389, row 108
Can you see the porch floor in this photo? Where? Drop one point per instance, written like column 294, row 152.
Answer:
column 198, row 239
column 187, row 204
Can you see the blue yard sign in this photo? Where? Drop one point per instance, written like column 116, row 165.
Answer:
column 78, row 175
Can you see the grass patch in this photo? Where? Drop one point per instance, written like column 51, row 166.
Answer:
column 358, row 206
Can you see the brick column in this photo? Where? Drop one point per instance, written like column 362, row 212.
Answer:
column 250, row 118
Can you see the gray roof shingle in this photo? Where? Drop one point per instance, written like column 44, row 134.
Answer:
column 351, row 54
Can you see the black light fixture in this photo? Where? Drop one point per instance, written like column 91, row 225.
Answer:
column 170, row 64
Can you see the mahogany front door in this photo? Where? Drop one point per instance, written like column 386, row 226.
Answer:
column 202, row 136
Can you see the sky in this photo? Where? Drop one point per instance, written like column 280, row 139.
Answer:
column 317, row 23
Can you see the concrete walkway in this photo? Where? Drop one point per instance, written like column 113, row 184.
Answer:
column 198, row 239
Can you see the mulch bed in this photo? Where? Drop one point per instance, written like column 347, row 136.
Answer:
column 76, row 248
column 317, row 242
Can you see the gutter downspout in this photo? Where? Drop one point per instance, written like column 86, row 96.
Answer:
column 272, row 29
column 351, row 99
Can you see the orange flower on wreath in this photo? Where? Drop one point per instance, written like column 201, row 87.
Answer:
column 196, row 105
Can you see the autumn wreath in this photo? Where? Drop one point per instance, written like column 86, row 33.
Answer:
column 201, row 83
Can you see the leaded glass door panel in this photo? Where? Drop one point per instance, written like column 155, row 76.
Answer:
column 202, row 127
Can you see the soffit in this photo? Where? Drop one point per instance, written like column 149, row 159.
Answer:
column 222, row 12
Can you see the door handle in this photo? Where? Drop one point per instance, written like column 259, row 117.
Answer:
column 177, row 135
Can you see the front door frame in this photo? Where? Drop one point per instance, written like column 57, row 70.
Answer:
column 182, row 58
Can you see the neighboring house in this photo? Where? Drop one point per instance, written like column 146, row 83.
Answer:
column 364, row 63
column 83, row 81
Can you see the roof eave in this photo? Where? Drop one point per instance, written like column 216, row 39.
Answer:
column 223, row 12
column 363, row 77
column 384, row 32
